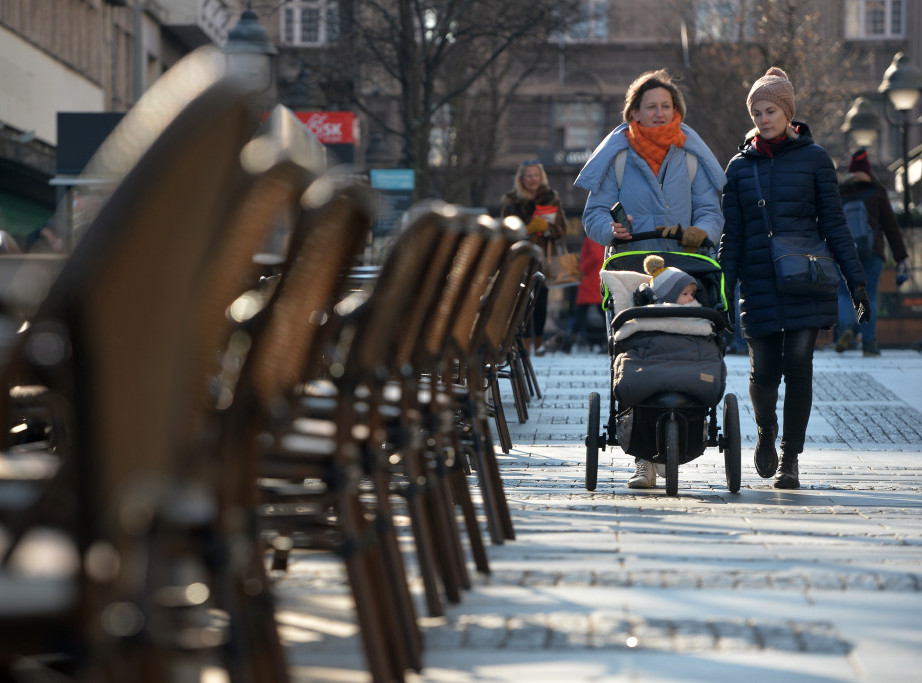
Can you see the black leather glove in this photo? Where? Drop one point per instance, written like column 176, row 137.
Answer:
column 861, row 303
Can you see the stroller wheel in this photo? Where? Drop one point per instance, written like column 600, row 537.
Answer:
column 592, row 441
column 672, row 456
column 731, row 443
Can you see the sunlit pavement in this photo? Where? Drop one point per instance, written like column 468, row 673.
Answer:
column 819, row 584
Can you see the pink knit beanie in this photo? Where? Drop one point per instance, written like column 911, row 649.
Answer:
column 775, row 87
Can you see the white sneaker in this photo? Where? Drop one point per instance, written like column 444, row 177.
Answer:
column 644, row 475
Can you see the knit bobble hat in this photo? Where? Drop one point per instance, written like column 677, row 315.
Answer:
column 860, row 162
column 667, row 283
column 775, row 87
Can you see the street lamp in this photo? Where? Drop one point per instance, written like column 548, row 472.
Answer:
column 902, row 84
column 862, row 123
column 250, row 51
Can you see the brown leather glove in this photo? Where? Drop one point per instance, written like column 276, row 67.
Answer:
column 693, row 237
column 668, row 230
column 536, row 224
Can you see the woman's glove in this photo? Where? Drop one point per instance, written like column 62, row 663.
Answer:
column 861, row 303
column 693, row 237
column 902, row 272
column 668, row 231
column 536, row 224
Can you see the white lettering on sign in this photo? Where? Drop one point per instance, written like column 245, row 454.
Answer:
column 323, row 129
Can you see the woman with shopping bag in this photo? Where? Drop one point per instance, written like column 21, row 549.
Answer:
column 532, row 200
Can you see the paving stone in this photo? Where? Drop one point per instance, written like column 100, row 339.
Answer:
column 569, row 631
column 708, row 578
column 527, row 632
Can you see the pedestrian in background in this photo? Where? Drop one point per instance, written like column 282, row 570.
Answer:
column 861, row 184
column 800, row 196
column 532, row 199
column 663, row 174
column 588, row 296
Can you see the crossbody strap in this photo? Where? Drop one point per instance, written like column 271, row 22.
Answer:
column 761, row 202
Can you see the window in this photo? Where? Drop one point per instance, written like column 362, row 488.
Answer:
column 723, row 21
column 590, row 26
column 875, row 18
column 309, row 22
column 581, row 123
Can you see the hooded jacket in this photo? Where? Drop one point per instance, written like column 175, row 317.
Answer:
column 802, row 194
column 880, row 213
column 651, row 201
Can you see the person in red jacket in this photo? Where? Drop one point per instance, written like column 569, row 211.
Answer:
column 589, row 293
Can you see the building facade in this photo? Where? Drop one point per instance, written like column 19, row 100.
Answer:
column 87, row 56
column 834, row 50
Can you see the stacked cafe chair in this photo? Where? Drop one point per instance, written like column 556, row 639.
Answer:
column 146, row 584
column 309, row 463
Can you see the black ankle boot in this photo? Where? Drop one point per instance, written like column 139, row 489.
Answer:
column 766, row 457
column 788, row 475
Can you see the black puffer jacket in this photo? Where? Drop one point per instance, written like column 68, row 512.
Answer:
column 802, row 195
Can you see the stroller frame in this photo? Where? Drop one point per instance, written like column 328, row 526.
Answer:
column 676, row 417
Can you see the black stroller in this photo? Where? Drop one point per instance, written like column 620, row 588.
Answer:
column 667, row 371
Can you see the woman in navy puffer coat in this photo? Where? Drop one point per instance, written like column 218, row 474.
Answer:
column 800, row 188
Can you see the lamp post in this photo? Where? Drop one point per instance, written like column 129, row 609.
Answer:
column 862, row 123
column 902, row 85
column 250, row 52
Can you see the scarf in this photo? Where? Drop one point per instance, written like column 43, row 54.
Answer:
column 769, row 147
column 653, row 142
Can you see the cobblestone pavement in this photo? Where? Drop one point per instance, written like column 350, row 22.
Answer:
column 819, row 584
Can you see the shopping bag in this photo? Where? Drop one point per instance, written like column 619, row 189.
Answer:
column 561, row 266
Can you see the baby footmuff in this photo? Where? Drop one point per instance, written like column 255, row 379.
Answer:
column 667, row 371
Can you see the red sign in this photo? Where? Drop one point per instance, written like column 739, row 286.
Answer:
column 331, row 127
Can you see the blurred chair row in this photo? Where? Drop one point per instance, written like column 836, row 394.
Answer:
column 199, row 422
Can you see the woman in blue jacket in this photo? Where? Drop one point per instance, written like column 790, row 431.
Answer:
column 801, row 193
column 662, row 173
column 644, row 163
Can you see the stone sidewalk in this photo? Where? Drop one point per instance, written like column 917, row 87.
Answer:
column 819, row 584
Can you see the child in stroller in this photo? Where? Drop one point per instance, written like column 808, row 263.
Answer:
column 667, row 285
column 667, row 367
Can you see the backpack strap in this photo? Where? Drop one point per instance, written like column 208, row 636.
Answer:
column 620, row 161
column 691, row 163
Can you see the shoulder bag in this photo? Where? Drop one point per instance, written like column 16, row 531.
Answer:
column 803, row 263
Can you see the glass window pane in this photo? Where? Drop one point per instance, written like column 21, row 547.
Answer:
column 288, row 26
column 896, row 17
column 332, row 23
column 310, row 25
column 874, row 17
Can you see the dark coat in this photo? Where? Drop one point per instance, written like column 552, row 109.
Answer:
column 515, row 204
column 802, row 194
column 880, row 213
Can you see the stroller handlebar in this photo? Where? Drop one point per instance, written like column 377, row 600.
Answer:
column 657, row 235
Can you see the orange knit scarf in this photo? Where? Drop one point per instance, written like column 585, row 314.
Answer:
column 653, row 142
